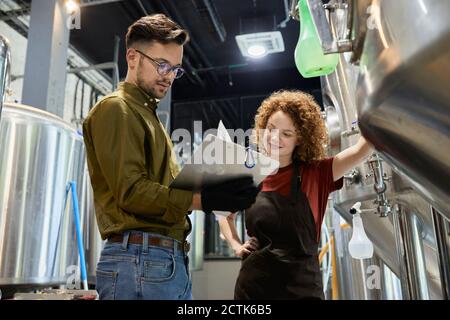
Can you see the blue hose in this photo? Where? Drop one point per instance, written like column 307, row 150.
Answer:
column 76, row 212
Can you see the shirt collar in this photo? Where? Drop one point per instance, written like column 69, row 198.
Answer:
column 135, row 93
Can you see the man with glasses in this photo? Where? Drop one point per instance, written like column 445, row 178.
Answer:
column 131, row 165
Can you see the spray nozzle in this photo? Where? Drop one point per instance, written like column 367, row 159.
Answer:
column 356, row 208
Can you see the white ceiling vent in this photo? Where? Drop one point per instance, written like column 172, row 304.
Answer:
column 257, row 45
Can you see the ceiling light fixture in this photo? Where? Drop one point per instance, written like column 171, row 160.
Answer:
column 260, row 44
column 257, row 51
column 72, row 6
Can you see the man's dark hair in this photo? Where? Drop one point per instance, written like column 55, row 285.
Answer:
column 156, row 27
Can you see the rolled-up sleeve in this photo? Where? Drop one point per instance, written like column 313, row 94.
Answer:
column 118, row 141
column 326, row 176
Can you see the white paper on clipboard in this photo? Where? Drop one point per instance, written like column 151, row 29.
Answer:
column 218, row 160
column 222, row 132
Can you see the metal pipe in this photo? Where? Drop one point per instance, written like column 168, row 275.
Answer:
column 347, row 276
column 384, row 208
column 143, row 9
column 218, row 25
column 419, row 255
column 100, row 66
column 78, row 70
column 14, row 10
column 442, row 234
column 193, row 74
column 14, row 13
column 294, row 13
column 171, row 10
column 410, row 254
column 380, row 186
column 282, row 24
column 116, row 76
column 229, row 67
column 390, row 284
column 329, row 40
column 93, row 81
column 75, row 98
column 318, row 14
column 87, row 3
column 340, row 17
column 72, row 187
column 402, row 258
column 83, row 86
column 22, row 29
column 5, row 67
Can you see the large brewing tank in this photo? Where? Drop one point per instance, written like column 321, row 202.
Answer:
column 403, row 94
column 397, row 110
column 39, row 155
column 5, row 58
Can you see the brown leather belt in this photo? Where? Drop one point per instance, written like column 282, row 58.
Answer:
column 152, row 241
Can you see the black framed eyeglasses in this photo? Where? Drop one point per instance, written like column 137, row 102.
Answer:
column 164, row 68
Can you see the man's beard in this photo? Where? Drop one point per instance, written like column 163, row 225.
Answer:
column 141, row 84
column 148, row 89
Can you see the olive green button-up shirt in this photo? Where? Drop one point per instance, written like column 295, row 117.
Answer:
column 131, row 164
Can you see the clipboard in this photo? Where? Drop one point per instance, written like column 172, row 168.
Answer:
column 217, row 160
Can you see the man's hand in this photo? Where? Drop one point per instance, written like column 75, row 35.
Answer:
column 233, row 195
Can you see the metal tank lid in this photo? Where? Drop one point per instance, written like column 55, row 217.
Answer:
column 38, row 114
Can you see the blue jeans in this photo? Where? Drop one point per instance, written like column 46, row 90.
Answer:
column 143, row 272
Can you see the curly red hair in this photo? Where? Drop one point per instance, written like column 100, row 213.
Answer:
column 305, row 114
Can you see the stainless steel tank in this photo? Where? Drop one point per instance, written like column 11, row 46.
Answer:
column 39, row 155
column 5, row 58
column 399, row 93
column 403, row 94
column 340, row 111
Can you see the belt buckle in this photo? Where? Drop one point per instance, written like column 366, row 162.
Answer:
column 186, row 246
column 165, row 243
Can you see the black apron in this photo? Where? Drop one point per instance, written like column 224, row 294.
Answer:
column 287, row 265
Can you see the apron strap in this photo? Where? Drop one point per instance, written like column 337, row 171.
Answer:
column 296, row 181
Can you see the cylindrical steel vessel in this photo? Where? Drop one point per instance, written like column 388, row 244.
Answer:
column 39, row 155
column 406, row 118
column 403, row 98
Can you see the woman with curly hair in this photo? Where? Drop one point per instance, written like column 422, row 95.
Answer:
column 280, row 260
